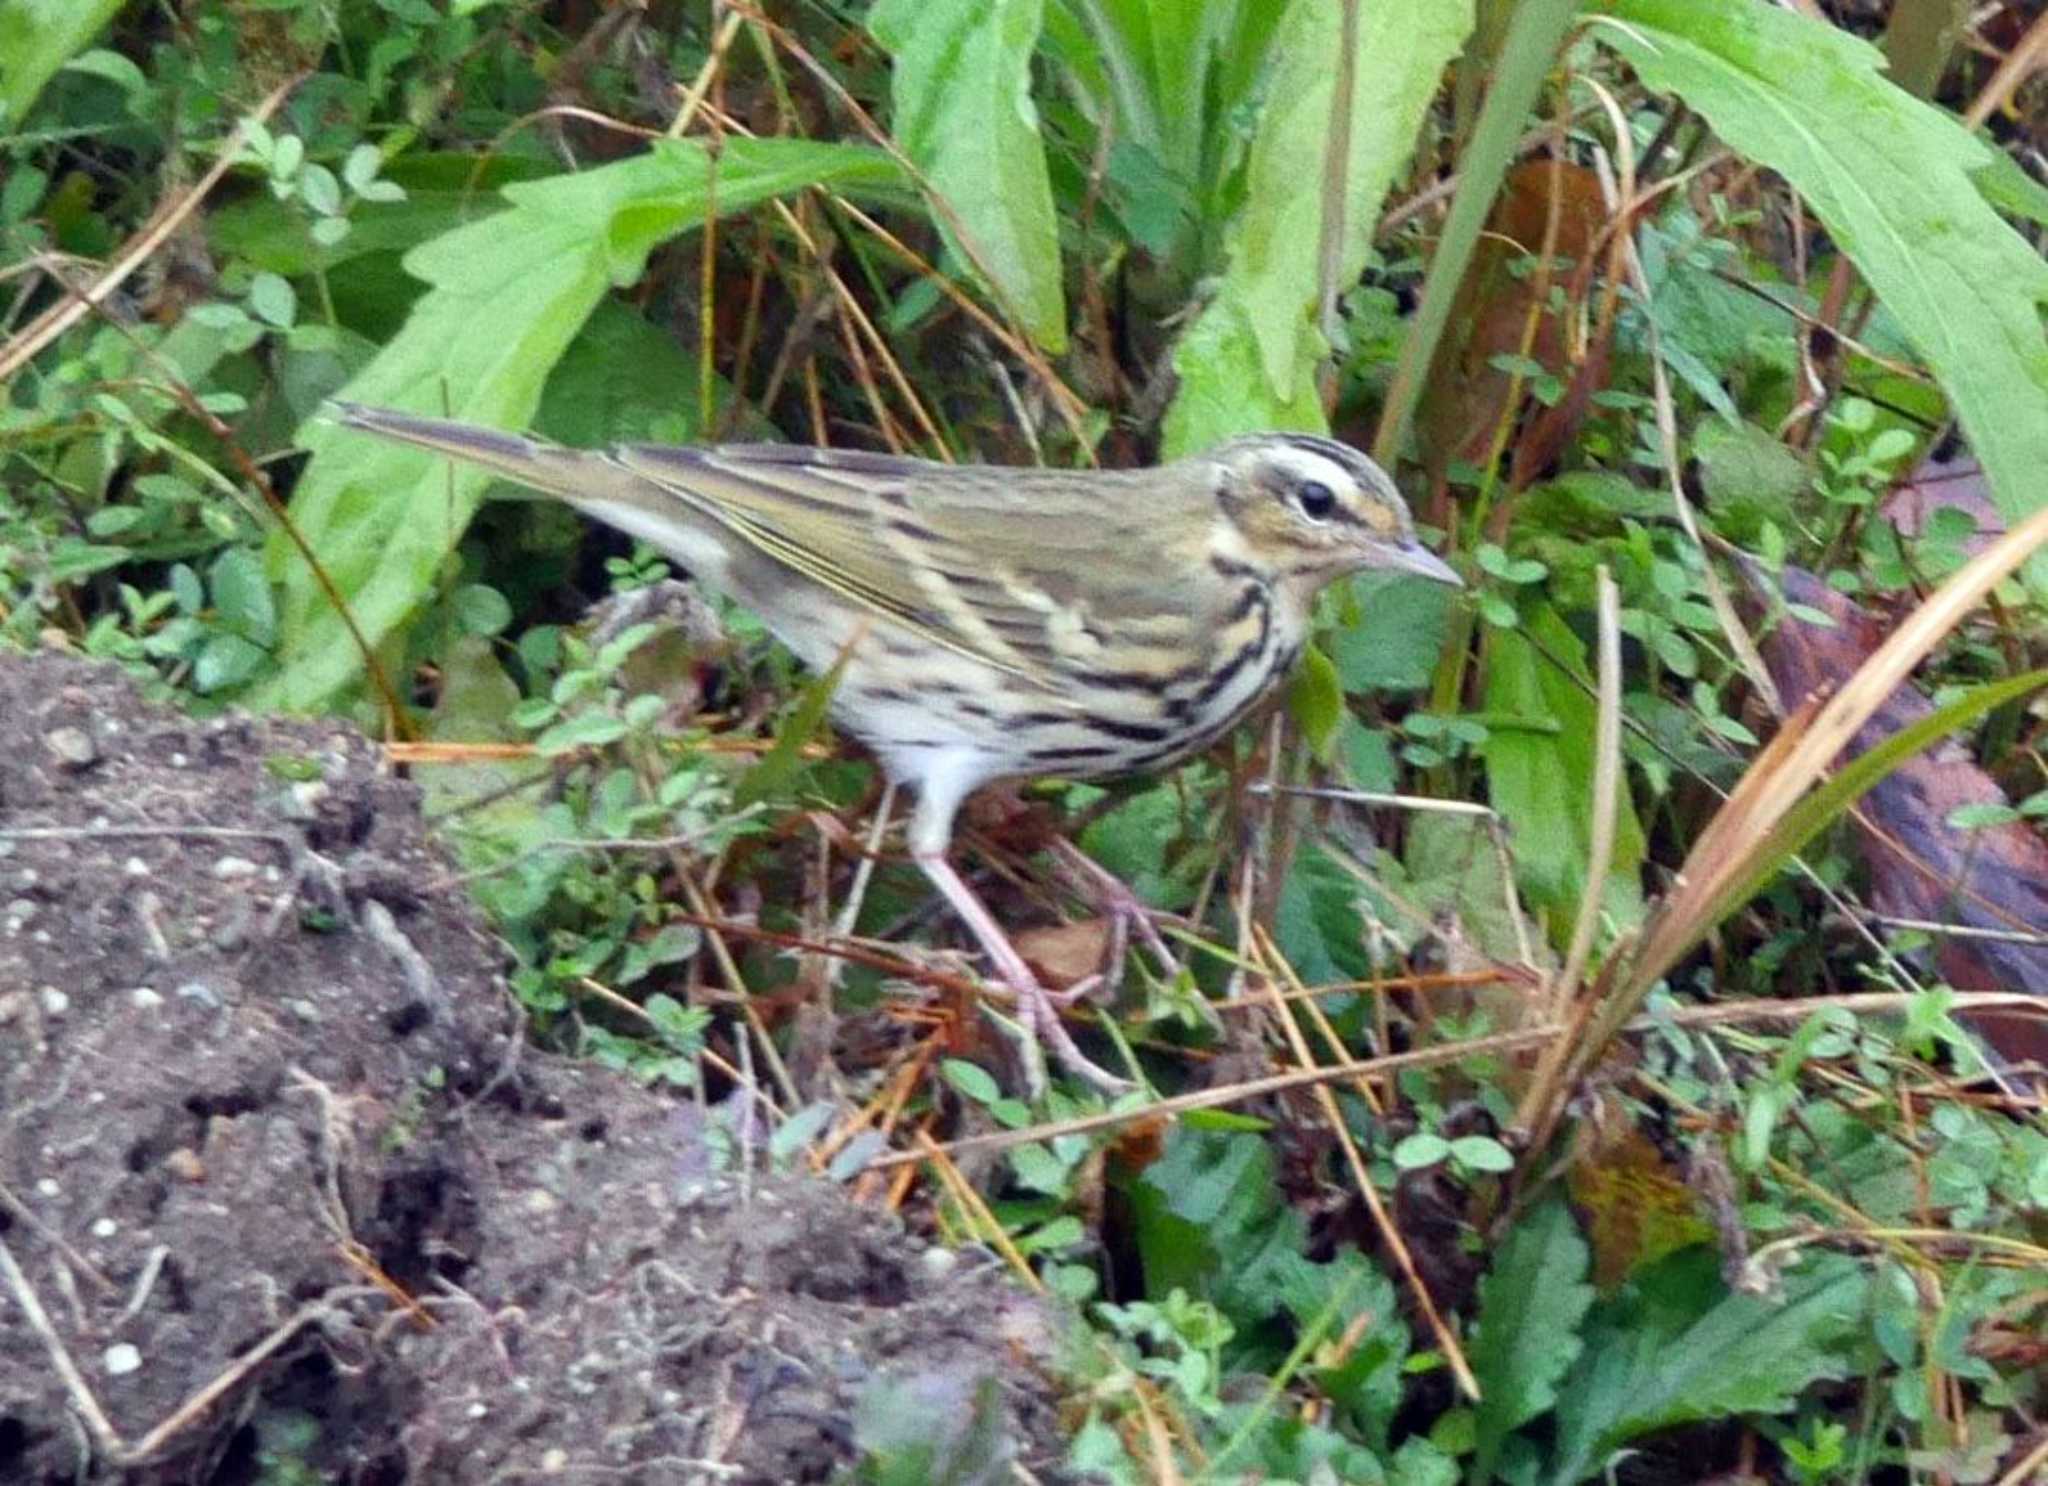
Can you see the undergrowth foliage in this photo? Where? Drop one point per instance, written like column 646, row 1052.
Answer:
column 1677, row 1129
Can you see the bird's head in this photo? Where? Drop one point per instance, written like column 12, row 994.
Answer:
column 1306, row 510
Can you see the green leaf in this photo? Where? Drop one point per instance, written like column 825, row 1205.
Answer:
column 509, row 294
column 1316, row 701
column 110, row 66
column 1249, row 360
column 1541, row 779
column 224, row 662
column 2011, row 189
column 779, row 765
column 1678, row 1347
column 1530, row 1307
column 961, row 88
column 1979, row 814
column 972, row 1080
column 480, row 609
column 242, row 595
column 1402, row 623
column 1423, row 1148
column 1893, row 179
column 1482, row 1153
column 271, row 297
column 584, row 730
column 36, row 38
column 1171, row 78
column 442, row 192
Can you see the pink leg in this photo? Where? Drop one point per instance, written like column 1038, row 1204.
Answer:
column 1036, row 1004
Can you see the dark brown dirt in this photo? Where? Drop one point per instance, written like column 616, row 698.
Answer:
column 283, row 1198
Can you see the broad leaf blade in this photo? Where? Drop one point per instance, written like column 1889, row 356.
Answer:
column 1530, row 1309
column 509, row 294
column 1679, row 1347
column 1540, row 775
column 1894, row 180
column 36, row 38
column 963, row 111
column 1249, row 361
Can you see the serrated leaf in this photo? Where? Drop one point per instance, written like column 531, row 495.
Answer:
column 1401, row 627
column 1677, row 1346
column 1531, row 1304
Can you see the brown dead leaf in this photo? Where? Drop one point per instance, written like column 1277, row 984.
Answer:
column 1066, row 953
column 1992, row 878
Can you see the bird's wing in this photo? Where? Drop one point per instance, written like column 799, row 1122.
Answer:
column 1020, row 569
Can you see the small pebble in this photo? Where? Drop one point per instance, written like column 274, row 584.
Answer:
column 184, row 1164
column 302, row 801
column 145, row 998
column 55, row 1002
column 200, row 991
column 105, row 1228
column 136, row 867
column 121, row 1358
column 48, row 1187
column 73, row 747
column 228, row 868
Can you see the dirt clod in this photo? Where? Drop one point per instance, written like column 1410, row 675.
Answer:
column 279, row 1183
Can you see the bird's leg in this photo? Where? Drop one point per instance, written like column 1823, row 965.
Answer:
column 1040, row 1015
column 943, row 782
column 1127, row 912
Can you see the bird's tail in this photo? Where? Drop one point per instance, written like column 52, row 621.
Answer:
column 575, row 475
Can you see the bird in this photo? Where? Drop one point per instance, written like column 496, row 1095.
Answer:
column 989, row 623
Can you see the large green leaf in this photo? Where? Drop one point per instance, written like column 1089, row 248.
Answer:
column 36, row 38
column 1539, row 768
column 509, row 294
column 1678, row 1346
column 962, row 93
column 1249, row 361
column 1892, row 177
column 1530, row 1307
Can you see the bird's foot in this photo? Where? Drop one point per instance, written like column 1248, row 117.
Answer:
column 1126, row 912
column 1040, row 1014
column 1038, row 1008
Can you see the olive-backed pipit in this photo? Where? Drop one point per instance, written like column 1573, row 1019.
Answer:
column 997, row 623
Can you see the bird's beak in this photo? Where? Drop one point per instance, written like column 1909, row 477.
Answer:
column 1412, row 557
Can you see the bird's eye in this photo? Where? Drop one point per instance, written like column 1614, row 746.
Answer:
column 1316, row 499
